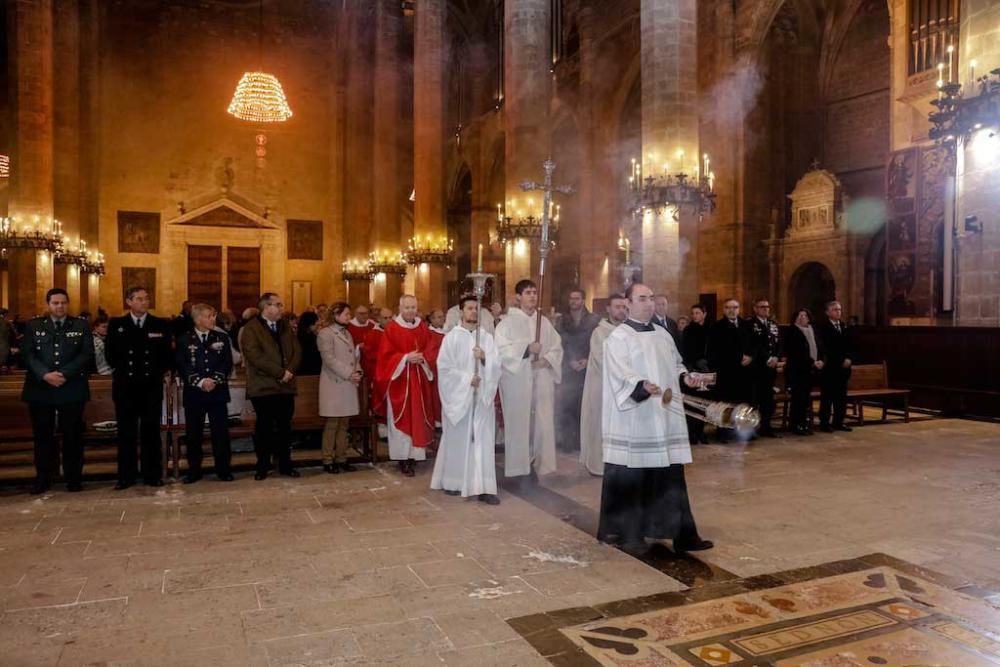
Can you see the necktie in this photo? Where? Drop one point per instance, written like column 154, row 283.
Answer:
column 274, row 327
column 59, row 325
column 837, row 325
column 138, row 323
column 204, row 337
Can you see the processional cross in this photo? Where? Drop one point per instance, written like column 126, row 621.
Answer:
column 547, row 189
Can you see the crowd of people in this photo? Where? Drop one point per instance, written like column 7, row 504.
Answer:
column 459, row 377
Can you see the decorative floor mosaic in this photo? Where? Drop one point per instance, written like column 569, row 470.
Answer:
column 873, row 611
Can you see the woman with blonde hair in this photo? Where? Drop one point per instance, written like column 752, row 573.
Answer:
column 338, row 386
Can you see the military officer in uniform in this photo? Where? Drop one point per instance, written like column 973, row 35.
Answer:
column 58, row 352
column 765, row 346
column 204, row 362
column 138, row 350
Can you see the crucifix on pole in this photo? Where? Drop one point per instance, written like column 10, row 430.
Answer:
column 544, row 247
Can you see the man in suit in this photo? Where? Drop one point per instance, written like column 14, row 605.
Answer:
column 729, row 357
column 661, row 319
column 272, row 355
column 836, row 338
column 58, row 353
column 765, row 351
column 139, row 352
column 694, row 344
column 204, row 362
column 183, row 322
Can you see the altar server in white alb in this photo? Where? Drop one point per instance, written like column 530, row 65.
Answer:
column 591, row 437
column 644, row 496
column 528, row 385
column 465, row 463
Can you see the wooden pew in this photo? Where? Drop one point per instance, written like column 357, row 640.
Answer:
column 869, row 384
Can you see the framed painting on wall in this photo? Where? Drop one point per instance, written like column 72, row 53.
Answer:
column 138, row 232
column 142, row 276
column 305, row 239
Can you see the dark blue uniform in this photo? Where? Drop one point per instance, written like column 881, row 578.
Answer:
column 66, row 347
column 201, row 356
column 139, row 357
column 765, row 343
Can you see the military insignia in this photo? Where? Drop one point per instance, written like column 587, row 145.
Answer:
column 192, row 348
column 74, row 334
column 156, row 335
column 218, row 345
column 121, row 329
column 39, row 333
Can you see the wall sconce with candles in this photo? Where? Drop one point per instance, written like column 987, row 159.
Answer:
column 680, row 191
column 389, row 263
column 354, row 269
column 956, row 116
column 430, row 250
column 36, row 235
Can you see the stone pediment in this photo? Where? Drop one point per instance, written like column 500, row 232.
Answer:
column 816, row 204
column 223, row 213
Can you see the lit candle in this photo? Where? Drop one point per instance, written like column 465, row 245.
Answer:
column 972, row 72
column 708, row 164
column 628, row 251
column 951, row 60
column 479, row 264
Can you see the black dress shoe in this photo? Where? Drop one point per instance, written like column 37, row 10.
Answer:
column 331, row 468
column 74, row 487
column 825, row 429
column 801, row 430
column 845, row 429
column 226, row 477
column 121, row 486
column 260, row 475
column 38, row 488
column 692, row 545
column 191, row 478
column 292, row 473
column 449, row 492
column 347, row 467
column 155, row 482
column 411, row 469
column 489, row 499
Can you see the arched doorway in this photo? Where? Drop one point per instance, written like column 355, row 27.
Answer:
column 812, row 286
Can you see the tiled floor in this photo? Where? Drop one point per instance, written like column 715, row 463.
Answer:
column 373, row 568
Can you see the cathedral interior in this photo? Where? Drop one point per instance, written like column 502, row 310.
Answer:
column 796, row 151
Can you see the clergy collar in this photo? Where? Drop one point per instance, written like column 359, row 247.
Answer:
column 611, row 321
column 398, row 319
column 640, row 326
column 437, row 330
column 368, row 323
column 517, row 309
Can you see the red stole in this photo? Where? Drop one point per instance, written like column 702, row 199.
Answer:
column 410, row 393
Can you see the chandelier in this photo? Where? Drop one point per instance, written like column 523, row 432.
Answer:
column 679, row 191
column 525, row 224
column 957, row 116
column 389, row 263
column 93, row 263
column 355, row 269
column 67, row 254
column 259, row 98
column 39, row 234
column 430, row 250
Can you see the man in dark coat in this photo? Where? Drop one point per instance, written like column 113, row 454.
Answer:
column 694, row 350
column 575, row 328
column 765, row 351
column 836, row 336
column 661, row 319
column 139, row 352
column 58, row 353
column 729, row 357
column 204, row 363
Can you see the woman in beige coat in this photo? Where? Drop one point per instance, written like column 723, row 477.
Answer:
column 338, row 386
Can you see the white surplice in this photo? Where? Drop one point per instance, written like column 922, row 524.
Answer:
column 591, row 438
column 643, row 434
column 465, row 459
column 523, row 389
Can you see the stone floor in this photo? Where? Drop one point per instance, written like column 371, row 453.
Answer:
column 373, row 568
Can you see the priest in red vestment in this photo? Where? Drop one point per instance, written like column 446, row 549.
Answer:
column 403, row 378
column 436, row 325
column 367, row 334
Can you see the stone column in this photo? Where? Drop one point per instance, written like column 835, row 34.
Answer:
column 32, row 158
column 668, row 33
column 430, row 280
column 359, row 141
column 527, row 96
column 388, row 108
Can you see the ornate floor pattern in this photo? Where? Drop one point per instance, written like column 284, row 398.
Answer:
column 866, row 612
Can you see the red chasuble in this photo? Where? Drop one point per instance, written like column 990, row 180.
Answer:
column 369, row 336
column 433, row 349
column 410, row 392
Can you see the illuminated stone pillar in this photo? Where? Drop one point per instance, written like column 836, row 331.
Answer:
column 668, row 33
column 389, row 190
column 527, row 96
column 430, row 280
column 32, row 157
column 68, row 277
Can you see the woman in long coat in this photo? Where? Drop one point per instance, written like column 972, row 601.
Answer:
column 338, row 386
column 804, row 357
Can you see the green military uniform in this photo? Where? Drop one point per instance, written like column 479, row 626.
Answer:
column 67, row 348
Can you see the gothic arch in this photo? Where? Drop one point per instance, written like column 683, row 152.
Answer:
column 811, row 286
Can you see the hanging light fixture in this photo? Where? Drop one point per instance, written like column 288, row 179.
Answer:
column 259, row 97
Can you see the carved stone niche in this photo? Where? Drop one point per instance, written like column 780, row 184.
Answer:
column 817, row 205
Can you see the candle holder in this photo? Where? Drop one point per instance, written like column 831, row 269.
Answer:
column 93, row 263
column 355, row 270
column 17, row 235
column 957, row 116
column 429, row 250
column 393, row 263
column 678, row 191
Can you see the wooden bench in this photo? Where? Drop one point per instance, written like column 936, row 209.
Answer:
column 869, row 384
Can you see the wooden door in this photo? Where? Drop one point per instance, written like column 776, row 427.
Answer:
column 204, row 282
column 242, row 278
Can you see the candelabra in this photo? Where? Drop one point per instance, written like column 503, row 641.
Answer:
column 67, row 254
column 389, row 263
column 356, row 270
column 678, row 191
column 525, row 225
column 39, row 235
column 957, row 116
column 93, row 263
column 627, row 268
column 430, row 250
